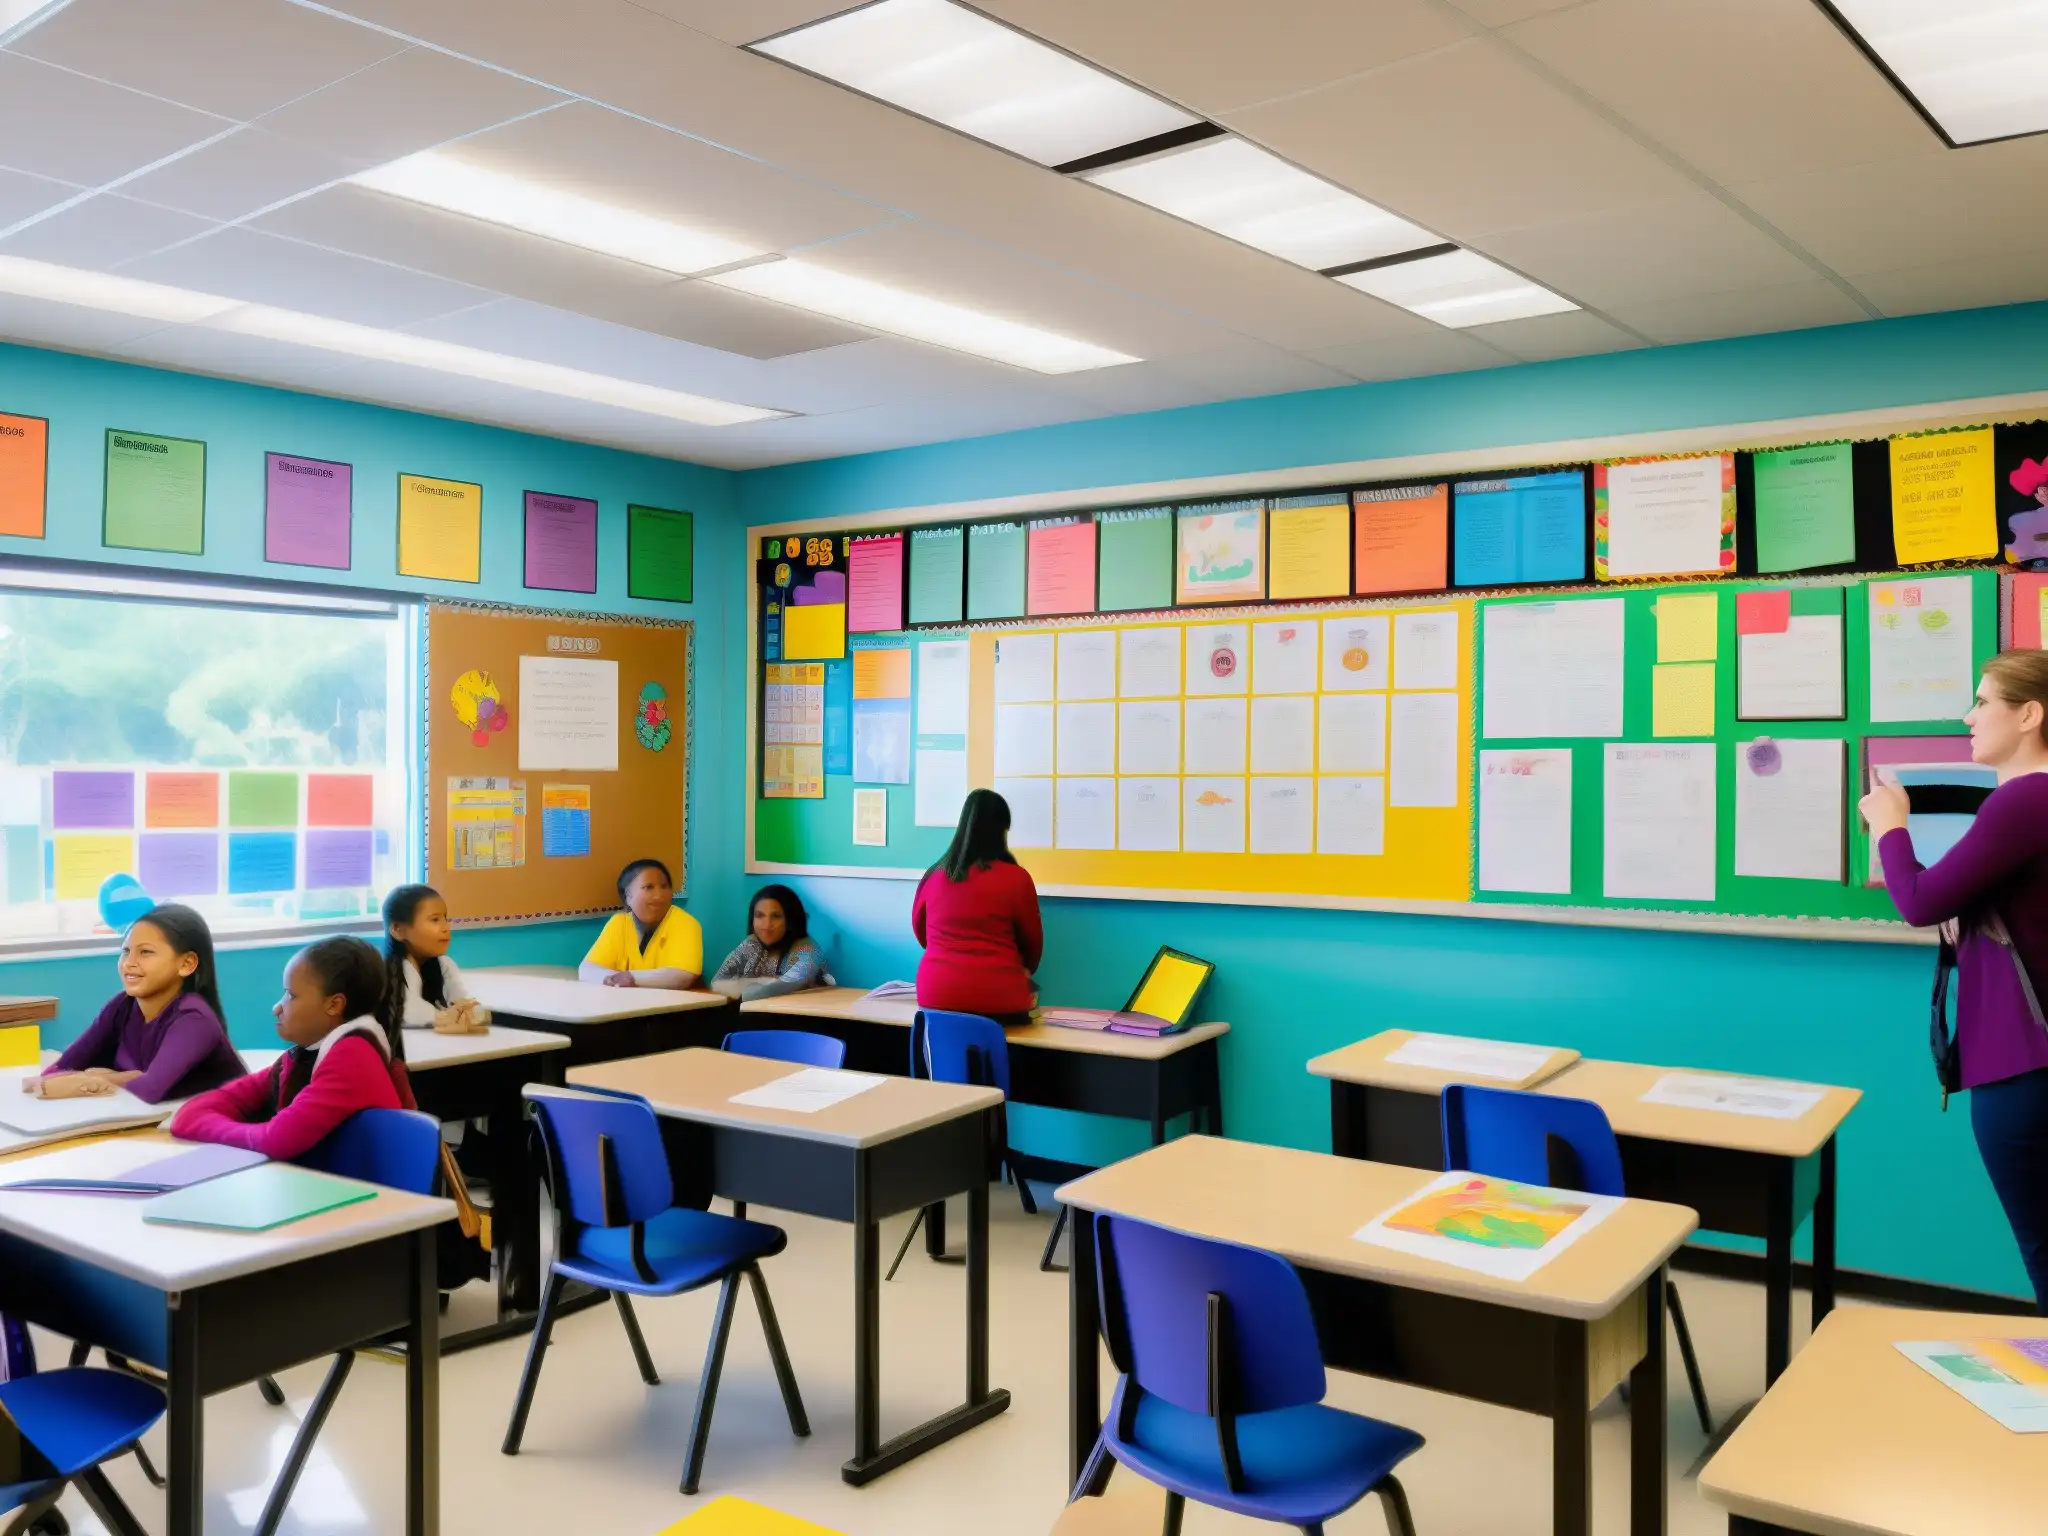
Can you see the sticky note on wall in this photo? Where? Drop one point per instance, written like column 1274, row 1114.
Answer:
column 1682, row 700
column 1688, row 626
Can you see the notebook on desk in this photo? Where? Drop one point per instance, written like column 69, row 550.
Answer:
column 257, row 1199
column 129, row 1168
column 1163, row 1003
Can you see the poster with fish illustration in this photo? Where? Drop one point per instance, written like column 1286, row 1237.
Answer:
column 1222, row 554
column 1490, row 1226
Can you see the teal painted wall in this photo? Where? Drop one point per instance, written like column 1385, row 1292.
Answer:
column 82, row 397
column 1915, row 1201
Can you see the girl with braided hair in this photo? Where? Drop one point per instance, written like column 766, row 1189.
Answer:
column 422, row 987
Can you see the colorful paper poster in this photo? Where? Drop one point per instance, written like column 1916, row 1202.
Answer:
column 338, row 858
column 486, row 823
column 1664, row 517
column 1525, row 821
column 881, row 741
column 1136, row 559
column 1400, row 540
column 1688, row 626
column 1789, row 654
column 1219, row 658
column 1553, row 669
column 1030, row 802
column 1351, row 816
column 440, row 529
column 1927, row 760
column 1087, row 664
column 1789, row 822
column 813, row 632
column 871, row 817
column 2029, row 608
column 24, row 475
column 938, row 574
column 1524, row 529
column 175, row 865
column 262, row 863
column 1658, row 822
column 660, row 558
column 793, row 731
column 561, row 543
column 1220, row 553
column 479, row 704
column 258, row 798
column 180, row 800
column 995, row 571
column 91, row 799
column 568, row 713
column 307, row 518
column 2022, row 498
column 565, row 821
column 838, row 717
column 1060, row 567
column 1283, row 815
column 82, row 860
column 1490, row 1226
column 1309, row 545
column 792, row 773
column 1084, row 814
column 882, row 673
column 155, row 493
column 340, row 799
column 1682, row 699
column 2005, row 1378
column 1921, row 662
column 1805, row 507
column 1944, row 497
column 874, row 584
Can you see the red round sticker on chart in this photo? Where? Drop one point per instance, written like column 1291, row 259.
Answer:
column 1222, row 661
column 1355, row 659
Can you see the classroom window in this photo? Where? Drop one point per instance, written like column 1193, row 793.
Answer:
column 244, row 750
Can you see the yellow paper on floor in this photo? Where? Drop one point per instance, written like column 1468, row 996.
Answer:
column 1689, row 626
column 1682, row 700
column 728, row 1516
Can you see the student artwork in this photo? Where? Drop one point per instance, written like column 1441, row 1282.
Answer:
column 804, row 606
column 1664, row 517
column 479, row 706
column 2026, row 533
column 2005, row 1378
column 1492, row 1226
column 651, row 726
column 1221, row 555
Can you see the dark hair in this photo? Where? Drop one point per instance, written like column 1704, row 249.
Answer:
column 796, row 922
column 349, row 966
column 632, row 871
column 186, row 932
column 982, row 838
column 400, row 907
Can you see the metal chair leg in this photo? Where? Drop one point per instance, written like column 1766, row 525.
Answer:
column 30, row 1518
column 529, row 1377
column 80, row 1353
column 1059, row 1225
column 156, row 1478
column 101, row 1499
column 1024, row 1195
column 1176, row 1508
column 273, row 1394
column 634, row 1337
column 1095, row 1472
column 1691, row 1359
column 1400, row 1521
column 778, row 1354
column 302, row 1444
column 908, row 1238
column 707, row 1388
column 739, row 1210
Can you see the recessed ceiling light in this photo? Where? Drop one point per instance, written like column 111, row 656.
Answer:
column 442, row 181
column 879, row 307
column 19, row 17
column 105, row 291
column 1239, row 190
column 957, row 67
column 1456, row 288
column 1978, row 69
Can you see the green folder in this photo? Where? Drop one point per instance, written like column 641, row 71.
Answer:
column 256, row 1199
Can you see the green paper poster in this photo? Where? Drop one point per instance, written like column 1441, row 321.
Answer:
column 1136, row 560
column 263, row 799
column 937, row 565
column 155, row 495
column 659, row 554
column 995, row 571
column 1805, row 508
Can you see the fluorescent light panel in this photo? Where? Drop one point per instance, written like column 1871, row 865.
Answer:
column 957, row 67
column 1258, row 199
column 1457, row 289
column 19, row 17
column 1979, row 68
column 154, row 301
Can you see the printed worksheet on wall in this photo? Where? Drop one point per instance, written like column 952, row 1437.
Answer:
column 942, row 674
column 1024, row 669
column 1087, row 664
column 1085, row 739
column 1553, row 669
column 1423, row 757
column 1351, row 733
column 1085, row 814
column 1284, row 656
column 1148, row 737
column 1351, row 815
column 1920, row 654
column 1283, row 815
column 1150, row 663
column 1215, row 736
column 1284, row 734
column 1212, row 815
column 1659, row 821
column 1030, row 801
column 1525, row 820
column 1426, row 650
column 1148, row 815
column 1788, row 808
column 1024, row 738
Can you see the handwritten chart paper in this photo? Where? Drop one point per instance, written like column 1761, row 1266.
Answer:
column 1528, row 528
column 2005, row 1378
column 1920, row 659
column 874, row 584
column 1137, row 559
column 24, row 475
column 1789, row 654
column 1486, row 1225
column 995, row 571
column 1659, row 822
column 1525, row 821
column 1760, row 1098
column 155, row 493
column 1805, row 508
column 1944, row 496
column 1501, row 1060
column 1310, row 546
column 1664, row 517
column 440, row 525
column 561, row 543
column 1400, row 539
column 659, row 554
column 938, row 573
column 1553, row 669
column 1283, row 815
column 568, row 713
column 1060, row 576
column 306, row 511
column 1788, row 809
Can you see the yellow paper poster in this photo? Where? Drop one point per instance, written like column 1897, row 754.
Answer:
column 1309, row 551
column 871, row 818
column 486, row 823
column 440, row 528
column 814, row 632
column 1682, row 700
column 84, row 859
column 1689, row 626
column 1943, row 497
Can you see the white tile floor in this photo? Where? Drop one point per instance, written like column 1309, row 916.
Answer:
column 603, row 1452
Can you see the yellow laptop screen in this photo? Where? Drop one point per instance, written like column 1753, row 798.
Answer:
column 1170, row 987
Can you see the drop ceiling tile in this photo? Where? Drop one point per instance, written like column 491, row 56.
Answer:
column 1544, row 338
column 247, row 264
column 222, row 354
column 248, row 170
column 1414, row 357
column 1502, row 13
column 102, row 232
column 1252, row 368
column 744, row 21
column 411, row 101
column 723, row 320
column 23, row 196
column 906, row 425
column 66, row 327
column 238, row 58
column 1748, row 312
column 55, row 123
column 1982, row 283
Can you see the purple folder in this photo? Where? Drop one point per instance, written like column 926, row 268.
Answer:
column 179, row 1171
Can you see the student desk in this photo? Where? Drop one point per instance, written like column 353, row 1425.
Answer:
column 1389, row 1111
column 215, row 1310
column 1555, row 1344
column 603, row 1023
column 901, row 1145
column 1857, row 1440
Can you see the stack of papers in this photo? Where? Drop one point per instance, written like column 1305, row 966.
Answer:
column 1762, row 1097
column 808, row 1091
column 888, row 991
column 1116, row 1022
column 1499, row 1059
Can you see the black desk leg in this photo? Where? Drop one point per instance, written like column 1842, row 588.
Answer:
column 1347, row 1113
column 1084, row 1351
column 423, row 1393
column 1571, row 1435
column 1742, row 1525
column 1212, row 1083
column 1778, row 1273
column 1824, row 1236
column 1648, row 1483
column 515, row 1210
column 184, row 1460
column 1158, row 1108
column 977, row 1291
column 867, row 1325
column 935, row 1231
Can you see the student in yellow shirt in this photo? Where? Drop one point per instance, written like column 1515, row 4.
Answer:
column 654, row 942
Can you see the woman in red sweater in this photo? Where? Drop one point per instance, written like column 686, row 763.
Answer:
column 976, row 914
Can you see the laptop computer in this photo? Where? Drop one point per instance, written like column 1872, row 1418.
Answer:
column 1162, row 1003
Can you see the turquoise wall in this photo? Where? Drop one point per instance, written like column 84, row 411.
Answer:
column 82, row 397
column 1914, row 1199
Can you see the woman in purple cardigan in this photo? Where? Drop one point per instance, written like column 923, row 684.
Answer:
column 1995, row 879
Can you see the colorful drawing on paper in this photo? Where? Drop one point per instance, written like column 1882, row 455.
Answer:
column 2006, row 1378
column 479, row 705
column 486, row 823
column 1222, row 556
column 2026, row 542
column 1493, row 1226
column 651, row 726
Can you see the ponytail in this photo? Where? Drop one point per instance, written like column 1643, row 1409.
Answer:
column 400, row 907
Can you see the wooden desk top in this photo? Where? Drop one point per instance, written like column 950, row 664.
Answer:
column 1365, row 1063
column 1857, row 1440
column 26, row 1010
column 1130, row 1508
column 1618, row 1087
column 1306, row 1205
column 109, row 1232
column 554, row 1000
column 425, row 1051
column 850, row 1003
column 698, row 1085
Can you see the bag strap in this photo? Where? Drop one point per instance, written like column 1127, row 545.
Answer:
column 1995, row 928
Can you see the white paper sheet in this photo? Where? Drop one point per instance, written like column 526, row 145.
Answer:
column 1920, row 649
column 1284, row 734
column 1284, row 656
column 1215, row 736
column 1659, row 821
column 1219, row 658
column 809, row 1090
column 1500, row 1059
column 1023, row 739
column 1149, row 664
column 1085, row 813
column 1763, row 1098
column 1525, row 820
column 1664, row 517
column 1148, row 815
column 1086, row 739
column 1351, row 815
column 1423, row 758
column 31, row 1116
column 1796, row 675
column 942, row 674
column 1024, row 669
column 941, row 776
column 1355, row 653
column 1283, row 815
column 1553, row 669
column 1030, row 811
column 1426, row 650
column 1788, row 809
column 1087, row 664
column 112, row 1158
column 1148, row 737
column 1212, row 815
column 568, row 714
column 1982, row 1380
column 1351, row 733
column 1501, row 1263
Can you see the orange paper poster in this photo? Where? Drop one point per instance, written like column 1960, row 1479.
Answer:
column 181, row 800
column 882, row 674
column 1060, row 568
column 1401, row 540
column 24, row 475
column 340, row 799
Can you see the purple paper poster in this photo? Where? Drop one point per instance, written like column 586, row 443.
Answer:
column 80, row 800
column 179, row 864
column 561, row 543
column 336, row 860
column 306, row 511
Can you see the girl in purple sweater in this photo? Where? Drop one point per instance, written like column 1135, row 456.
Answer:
column 162, row 1038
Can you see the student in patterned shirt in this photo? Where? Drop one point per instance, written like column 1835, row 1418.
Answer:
column 778, row 955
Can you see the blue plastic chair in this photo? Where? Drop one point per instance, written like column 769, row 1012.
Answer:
column 795, row 1045
column 73, row 1420
column 618, row 1229
column 1220, row 1392
column 1540, row 1138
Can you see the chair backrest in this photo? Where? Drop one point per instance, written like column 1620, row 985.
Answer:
column 1155, row 1286
column 797, row 1045
column 606, row 1155
column 960, row 1048
column 398, row 1148
column 1533, row 1138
